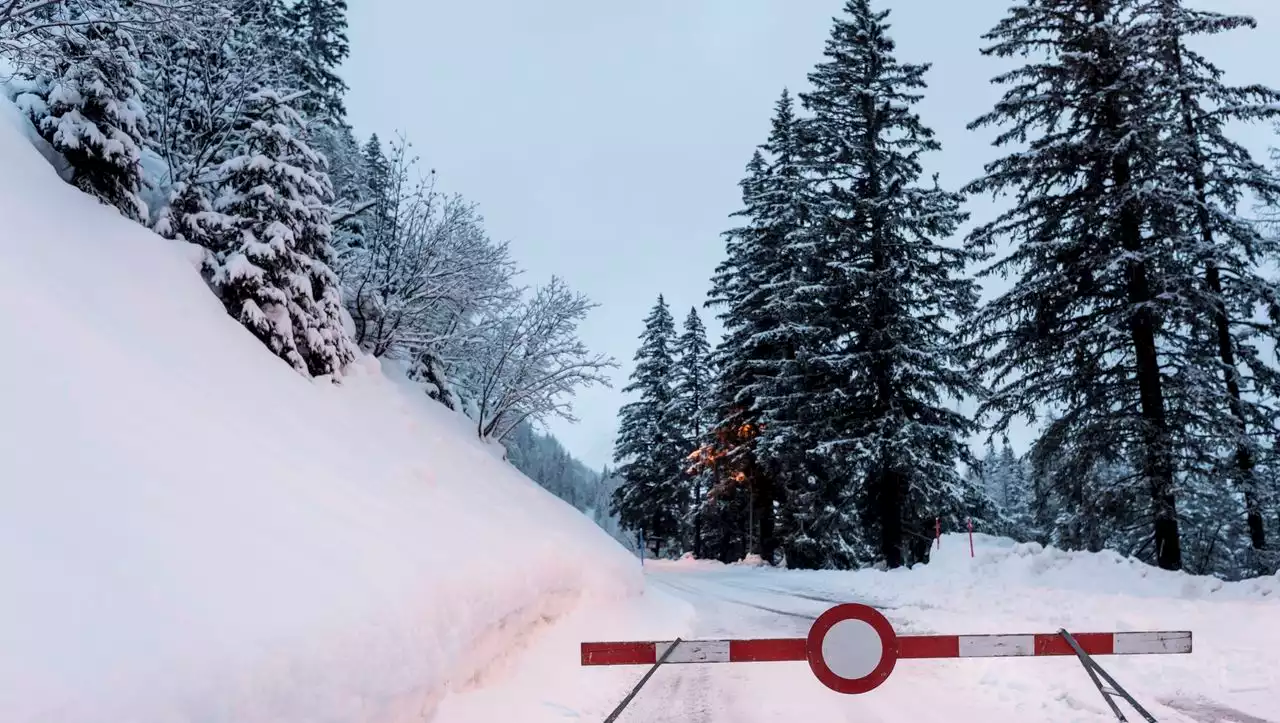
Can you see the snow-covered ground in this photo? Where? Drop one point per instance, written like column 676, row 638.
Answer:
column 1231, row 676
column 190, row 531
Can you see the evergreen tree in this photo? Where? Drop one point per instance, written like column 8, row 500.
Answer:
column 82, row 91
column 1207, row 176
column 1005, row 482
column 377, row 180
column 732, row 456
column 787, row 330
column 760, row 440
column 647, row 452
column 318, row 29
column 891, row 291
column 273, row 271
column 688, row 417
column 1079, row 329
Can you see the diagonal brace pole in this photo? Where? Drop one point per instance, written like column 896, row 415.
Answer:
column 1094, row 670
column 626, row 701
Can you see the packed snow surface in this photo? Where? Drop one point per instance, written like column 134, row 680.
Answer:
column 191, row 531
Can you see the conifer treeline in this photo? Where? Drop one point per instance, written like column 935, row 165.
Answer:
column 222, row 123
column 1136, row 335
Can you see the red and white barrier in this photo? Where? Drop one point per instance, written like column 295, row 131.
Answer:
column 909, row 646
column 853, row 648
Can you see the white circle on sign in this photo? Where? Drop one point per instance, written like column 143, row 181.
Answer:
column 852, row 649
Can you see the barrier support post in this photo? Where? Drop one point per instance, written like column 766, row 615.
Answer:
column 623, row 705
column 1094, row 670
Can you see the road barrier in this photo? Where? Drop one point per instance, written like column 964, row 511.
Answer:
column 853, row 648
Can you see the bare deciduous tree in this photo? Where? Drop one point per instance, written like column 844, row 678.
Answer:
column 25, row 24
column 532, row 362
column 426, row 274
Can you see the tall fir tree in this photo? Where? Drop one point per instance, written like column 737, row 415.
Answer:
column 892, row 292
column 787, row 330
column 732, row 456
column 1006, row 483
column 688, row 417
column 273, row 270
column 318, row 29
column 82, row 90
column 648, row 454
column 763, row 449
column 1079, row 330
column 377, row 182
column 1208, row 175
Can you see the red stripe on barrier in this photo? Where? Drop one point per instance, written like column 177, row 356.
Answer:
column 767, row 651
column 928, row 646
column 1093, row 644
column 619, row 654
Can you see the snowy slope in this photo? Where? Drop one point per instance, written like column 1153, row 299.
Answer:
column 190, row 531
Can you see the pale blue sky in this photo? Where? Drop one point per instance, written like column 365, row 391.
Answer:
column 605, row 139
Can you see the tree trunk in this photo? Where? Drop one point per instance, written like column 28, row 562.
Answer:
column 888, row 486
column 1246, row 476
column 1157, row 463
column 766, row 542
column 697, row 516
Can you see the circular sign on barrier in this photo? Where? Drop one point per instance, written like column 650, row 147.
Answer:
column 852, row 648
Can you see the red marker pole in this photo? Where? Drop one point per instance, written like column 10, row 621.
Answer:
column 970, row 537
column 937, row 530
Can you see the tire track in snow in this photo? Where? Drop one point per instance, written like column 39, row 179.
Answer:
column 705, row 592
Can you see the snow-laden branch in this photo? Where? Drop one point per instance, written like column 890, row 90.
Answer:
column 532, row 362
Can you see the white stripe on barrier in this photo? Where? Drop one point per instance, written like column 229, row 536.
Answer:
column 1151, row 643
column 996, row 646
column 697, row 651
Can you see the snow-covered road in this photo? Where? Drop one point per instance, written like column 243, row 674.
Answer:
column 733, row 602
column 1231, row 676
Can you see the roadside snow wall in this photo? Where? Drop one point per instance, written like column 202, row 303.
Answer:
column 191, row 531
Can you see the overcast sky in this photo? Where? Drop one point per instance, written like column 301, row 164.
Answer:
column 605, row 138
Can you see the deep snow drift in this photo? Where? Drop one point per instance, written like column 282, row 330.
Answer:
column 190, row 531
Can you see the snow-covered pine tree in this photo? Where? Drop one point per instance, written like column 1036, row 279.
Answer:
column 1004, row 479
column 318, row 30
column 273, row 271
column 1016, row 489
column 990, row 475
column 689, row 417
column 1079, row 329
column 337, row 143
column 81, row 88
column 764, row 432
column 894, row 288
column 650, row 498
column 815, row 527
column 1208, row 175
column 1084, row 496
column 377, row 178
column 734, row 433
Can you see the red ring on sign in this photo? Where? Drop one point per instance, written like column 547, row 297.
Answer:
column 840, row 613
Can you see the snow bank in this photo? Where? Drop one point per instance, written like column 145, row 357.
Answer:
column 1002, row 561
column 190, row 531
